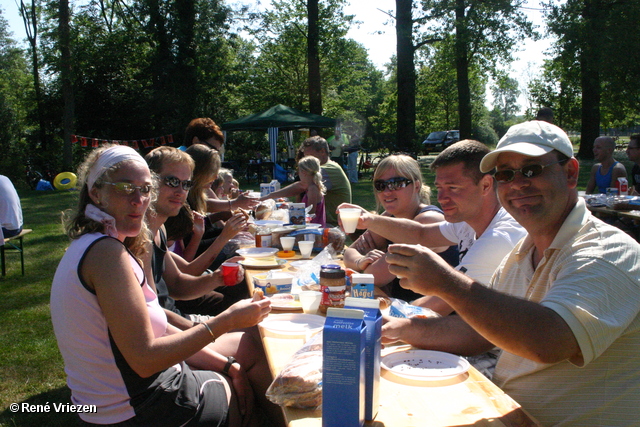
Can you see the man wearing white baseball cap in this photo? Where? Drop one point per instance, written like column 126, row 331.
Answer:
column 564, row 304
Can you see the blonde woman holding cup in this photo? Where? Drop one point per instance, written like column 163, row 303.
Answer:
column 400, row 193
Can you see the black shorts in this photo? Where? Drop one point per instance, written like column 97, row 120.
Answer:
column 201, row 401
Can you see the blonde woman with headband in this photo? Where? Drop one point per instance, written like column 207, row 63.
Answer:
column 120, row 353
column 400, row 192
column 310, row 189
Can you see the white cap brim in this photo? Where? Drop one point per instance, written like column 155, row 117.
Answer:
column 489, row 161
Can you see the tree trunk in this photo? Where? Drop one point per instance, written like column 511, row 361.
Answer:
column 406, row 75
column 185, row 80
column 30, row 19
column 313, row 58
column 462, row 72
column 590, row 80
column 66, row 73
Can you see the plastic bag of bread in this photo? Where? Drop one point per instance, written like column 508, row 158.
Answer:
column 299, row 383
column 264, row 209
column 400, row 308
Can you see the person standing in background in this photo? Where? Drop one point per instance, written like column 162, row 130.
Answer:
column 337, row 142
column 352, row 160
column 545, row 114
column 10, row 209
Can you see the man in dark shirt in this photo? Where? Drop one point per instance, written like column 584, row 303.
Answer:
column 633, row 152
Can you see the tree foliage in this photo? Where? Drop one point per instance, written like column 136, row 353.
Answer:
column 595, row 56
column 485, row 33
column 16, row 96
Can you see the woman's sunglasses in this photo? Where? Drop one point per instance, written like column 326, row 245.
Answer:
column 392, row 184
column 128, row 188
column 529, row 171
column 173, row 182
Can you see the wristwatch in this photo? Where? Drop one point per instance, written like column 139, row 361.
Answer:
column 230, row 361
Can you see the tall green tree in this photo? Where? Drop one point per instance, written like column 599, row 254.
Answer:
column 313, row 57
column 485, row 33
column 599, row 39
column 30, row 13
column 348, row 80
column 505, row 93
column 15, row 94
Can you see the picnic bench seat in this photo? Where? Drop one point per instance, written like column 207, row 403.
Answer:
column 14, row 244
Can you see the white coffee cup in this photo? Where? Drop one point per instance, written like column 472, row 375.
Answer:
column 306, row 247
column 349, row 218
column 310, row 301
column 287, row 243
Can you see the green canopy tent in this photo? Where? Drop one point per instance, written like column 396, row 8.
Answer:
column 279, row 117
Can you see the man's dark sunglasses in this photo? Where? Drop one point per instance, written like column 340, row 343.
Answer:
column 173, row 182
column 392, row 184
column 529, row 171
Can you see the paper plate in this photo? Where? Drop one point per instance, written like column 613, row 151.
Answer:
column 285, row 302
column 268, row 222
column 253, row 263
column 425, row 365
column 257, row 252
column 292, row 324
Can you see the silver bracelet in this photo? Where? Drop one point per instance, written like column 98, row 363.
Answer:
column 213, row 337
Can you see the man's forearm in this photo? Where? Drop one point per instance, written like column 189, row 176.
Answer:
column 522, row 327
column 405, row 230
column 450, row 334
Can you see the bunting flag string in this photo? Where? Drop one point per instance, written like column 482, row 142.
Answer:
column 86, row 141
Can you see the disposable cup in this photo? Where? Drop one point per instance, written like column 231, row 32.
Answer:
column 230, row 273
column 310, row 301
column 287, row 243
column 349, row 218
column 306, row 247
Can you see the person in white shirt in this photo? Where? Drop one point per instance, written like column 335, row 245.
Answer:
column 10, row 209
column 474, row 219
column 564, row 305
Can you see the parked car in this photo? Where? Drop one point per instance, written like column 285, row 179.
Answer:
column 440, row 140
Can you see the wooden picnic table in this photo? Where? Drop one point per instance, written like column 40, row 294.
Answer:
column 468, row 399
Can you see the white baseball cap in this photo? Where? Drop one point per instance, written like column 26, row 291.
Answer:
column 535, row 138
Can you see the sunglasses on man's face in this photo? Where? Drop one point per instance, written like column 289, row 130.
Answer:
column 128, row 188
column 391, row 184
column 174, row 182
column 529, row 171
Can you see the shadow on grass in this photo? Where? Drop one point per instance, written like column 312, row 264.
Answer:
column 23, row 418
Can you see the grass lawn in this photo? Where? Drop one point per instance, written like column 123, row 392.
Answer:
column 31, row 368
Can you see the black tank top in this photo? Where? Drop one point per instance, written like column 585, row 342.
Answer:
column 157, row 267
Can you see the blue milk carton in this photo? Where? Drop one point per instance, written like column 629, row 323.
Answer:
column 343, row 365
column 373, row 343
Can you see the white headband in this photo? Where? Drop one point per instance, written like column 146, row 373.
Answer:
column 110, row 157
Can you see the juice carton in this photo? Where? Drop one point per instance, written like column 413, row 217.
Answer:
column 274, row 185
column 373, row 343
column 362, row 286
column 265, row 190
column 343, row 368
column 623, row 186
column 297, row 214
